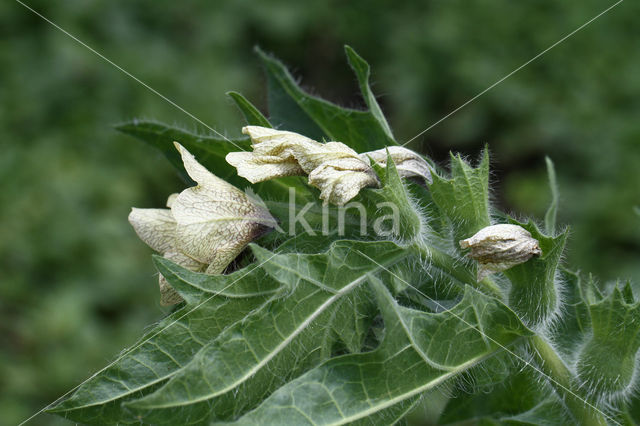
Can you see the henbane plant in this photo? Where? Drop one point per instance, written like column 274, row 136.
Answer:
column 354, row 280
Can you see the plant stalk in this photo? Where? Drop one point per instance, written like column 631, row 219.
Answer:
column 451, row 266
column 552, row 365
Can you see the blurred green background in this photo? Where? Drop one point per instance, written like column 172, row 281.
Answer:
column 77, row 286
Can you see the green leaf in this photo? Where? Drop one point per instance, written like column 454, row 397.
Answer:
column 420, row 351
column 253, row 116
column 317, row 326
column 210, row 152
column 569, row 333
column 291, row 108
column 363, row 73
column 552, row 212
column 549, row 412
column 519, row 395
column 352, row 322
column 464, row 198
column 607, row 361
column 168, row 347
column 195, row 287
column 269, row 345
column 534, row 294
column 395, row 196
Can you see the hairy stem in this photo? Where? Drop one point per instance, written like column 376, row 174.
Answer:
column 552, row 365
column 453, row 267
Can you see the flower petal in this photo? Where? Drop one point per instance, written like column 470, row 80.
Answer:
column 215, row 220
column 258, row 168
column 333, row 167
column 408, row 163
column 269, row 144
column 171, row 199
column 156, row 227
column 341, row 180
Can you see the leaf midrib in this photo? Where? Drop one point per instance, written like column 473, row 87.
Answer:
column 148, row 384
column 390, row 402
column 264, row 360
column 338, row 294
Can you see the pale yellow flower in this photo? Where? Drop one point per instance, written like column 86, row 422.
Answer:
column 334, row 168
column 342, row 179
column 278, row 153
column 205, row 227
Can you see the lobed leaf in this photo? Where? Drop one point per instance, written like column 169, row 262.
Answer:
column 464, row 198
column 363, row 73
column 534, row 294
column 265, row 349
column 420, row 351
column 165, row 349
column 291, row 108
column 321, row 328
column 607, row 360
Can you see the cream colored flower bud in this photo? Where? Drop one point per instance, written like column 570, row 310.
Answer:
column 501, row 247
column 206, row 227
column 333, row 167
column 279, row 153
column 408, row 163
column 342, row 179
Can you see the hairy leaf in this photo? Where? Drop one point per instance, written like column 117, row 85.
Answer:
column 213, row 304
column 534, row 294
column 363, row 73
column 464, row 198
column 284, row 332
column 324, row 322
column 417, row 355
column 606, row 362
column 290, row 108
column 552, row 211
column 253, row 116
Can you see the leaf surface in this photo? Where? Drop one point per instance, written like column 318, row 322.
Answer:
column 534, row 294
column 420, row 351
column 253, row 116
column 291, row 108
column 171, row 344
column 464, row 197
column 552, row 212
column 284, row 331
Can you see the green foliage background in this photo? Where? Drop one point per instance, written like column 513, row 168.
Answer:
column 76, row 285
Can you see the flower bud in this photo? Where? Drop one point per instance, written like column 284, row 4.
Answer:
column 278, row 153
column 332, row 167
column 499, row 247
column 342, row 179
column 408, row 163
column 335, row 169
